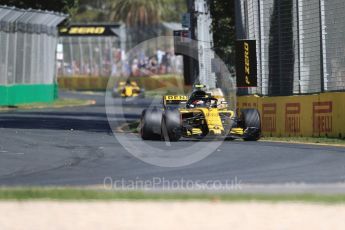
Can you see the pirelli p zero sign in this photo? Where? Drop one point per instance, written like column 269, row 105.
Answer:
column 88, row 30
column 246, row 65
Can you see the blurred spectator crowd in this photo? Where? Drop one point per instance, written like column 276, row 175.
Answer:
column 116, row 62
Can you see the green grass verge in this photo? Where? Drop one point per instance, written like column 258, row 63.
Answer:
column 63, row 194
column 60, row 103
column 308, row 140
column 133, row 127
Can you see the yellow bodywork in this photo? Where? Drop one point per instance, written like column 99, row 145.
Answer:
column 194, row 131
column 237, row 131
column 128, row 90
column 212, row 119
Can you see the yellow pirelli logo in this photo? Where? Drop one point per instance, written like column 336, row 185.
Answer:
column 247, row 62
column 86, row 30
column 175, row 98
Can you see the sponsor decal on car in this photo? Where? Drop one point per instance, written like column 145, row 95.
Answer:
column 175, row 98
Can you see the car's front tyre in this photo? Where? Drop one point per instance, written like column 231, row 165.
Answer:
column 150, row 124
column 171, row 126
column 251, row 124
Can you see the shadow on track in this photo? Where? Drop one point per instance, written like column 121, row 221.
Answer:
column 23, row 122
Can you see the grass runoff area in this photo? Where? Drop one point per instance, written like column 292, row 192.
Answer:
column 59, row 103
column 70, row 194
column 308, row 140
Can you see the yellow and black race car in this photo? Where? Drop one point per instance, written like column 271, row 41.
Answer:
column 127, row 89
column 201, row 115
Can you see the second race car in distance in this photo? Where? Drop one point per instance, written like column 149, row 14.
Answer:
column 127, row 89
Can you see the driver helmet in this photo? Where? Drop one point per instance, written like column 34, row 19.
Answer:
column 198, row 102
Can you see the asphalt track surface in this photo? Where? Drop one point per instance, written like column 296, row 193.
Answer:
column 76, row 147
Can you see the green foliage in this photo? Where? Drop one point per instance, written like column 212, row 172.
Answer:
column 89, row 16
column 308, row 140
column 132, row 12
column 223, row 27
column 137, row 12
column 174, row 10
column 65, row 6
column 91, row 11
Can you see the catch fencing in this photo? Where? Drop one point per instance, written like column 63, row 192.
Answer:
column 300, row 44
column 88, row 56
column 28, row 40
column 116, row 51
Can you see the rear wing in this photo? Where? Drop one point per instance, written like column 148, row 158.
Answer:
column 174, row 99
column 123, row 83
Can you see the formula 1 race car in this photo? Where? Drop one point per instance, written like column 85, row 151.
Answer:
column 127, row 89
column 201, row 115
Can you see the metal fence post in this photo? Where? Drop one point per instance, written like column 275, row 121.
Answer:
column 322, row 80
column 298, row 47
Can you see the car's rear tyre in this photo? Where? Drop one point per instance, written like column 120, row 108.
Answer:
column 251, row 124
column 150, row 124
column 115, row 94
column 171, row 126
column 142, row 93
